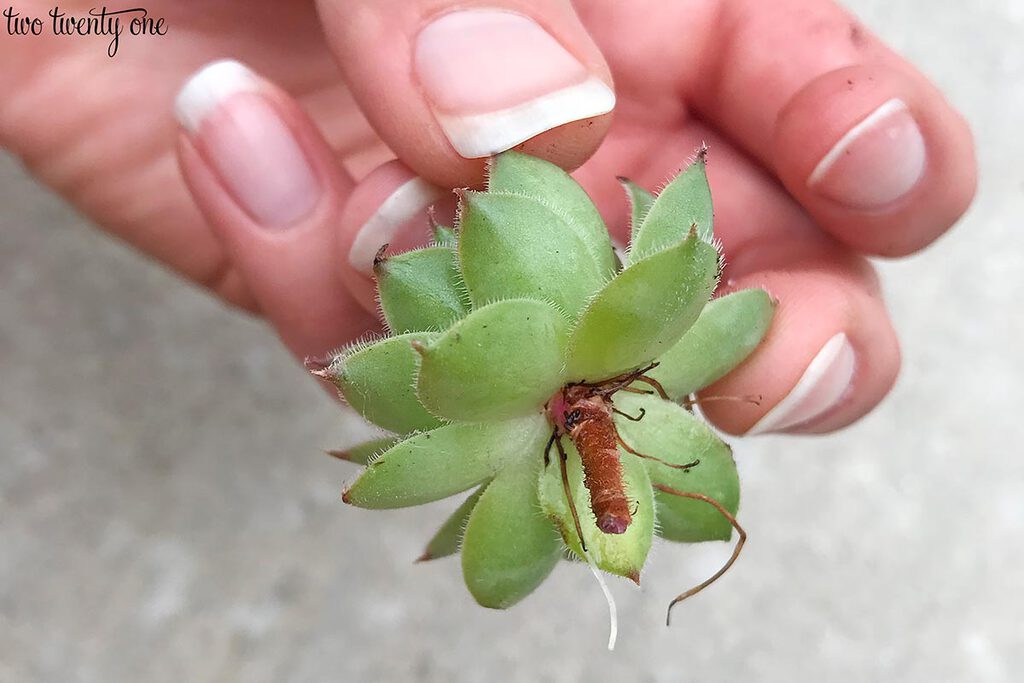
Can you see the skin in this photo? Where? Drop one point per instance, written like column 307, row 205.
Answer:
column 769, row 86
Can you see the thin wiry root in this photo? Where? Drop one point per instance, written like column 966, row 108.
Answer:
column 735, row 553
column 689, row 402
column 656, row 384
column 629, row 449
column 629, row 417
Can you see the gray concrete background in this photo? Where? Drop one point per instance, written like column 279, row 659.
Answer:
column 165, row 514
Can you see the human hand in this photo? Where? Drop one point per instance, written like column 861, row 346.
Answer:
column 825, row 147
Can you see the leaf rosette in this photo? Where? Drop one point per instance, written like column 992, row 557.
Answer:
column 523, row 297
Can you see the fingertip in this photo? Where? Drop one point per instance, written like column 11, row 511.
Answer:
column 266, row 181
column 446, row 85
column 830, row 356
column 877, row 157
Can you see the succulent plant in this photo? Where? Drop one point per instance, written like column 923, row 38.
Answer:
column 518, row 331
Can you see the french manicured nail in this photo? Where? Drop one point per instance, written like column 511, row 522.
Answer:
column 876, row 162
column 247, row 144
column 819, row 389
column 394, row 222
column 496, row 78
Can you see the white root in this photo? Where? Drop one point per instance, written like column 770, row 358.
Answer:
column 613, row 616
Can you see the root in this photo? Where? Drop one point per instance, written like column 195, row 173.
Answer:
column 629, row 449
column 628, row 416
column 613, row 617
column 609, row 386
column 562, row 461
column 690, row 402
column 654, row 383
column 735, row 553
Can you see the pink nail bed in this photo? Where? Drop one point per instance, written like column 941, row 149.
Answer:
column 495, row 79
column 247, row 144
column 879, row 160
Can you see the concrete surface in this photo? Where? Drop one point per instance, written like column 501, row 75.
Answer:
column 165, row 514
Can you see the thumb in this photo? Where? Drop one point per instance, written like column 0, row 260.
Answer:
column 446, row 85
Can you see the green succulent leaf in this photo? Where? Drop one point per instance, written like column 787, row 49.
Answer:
column 378, row 381
column 509, row 546
column 670, row 432
column 363, row 453
column 640, row 202
column 684, row 202
column 514, row 246
column 517, row 173
column 444, row 236
column 523, row 297
column 620, row 554
column 727, row 331
column 445, row 461
column 644, row 311
column 502, row 360
column 421, row 290
column 449, row 537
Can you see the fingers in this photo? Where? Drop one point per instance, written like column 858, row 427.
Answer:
column 866, row 144
column 268, row 184
column 446, row 85
column 831, row 354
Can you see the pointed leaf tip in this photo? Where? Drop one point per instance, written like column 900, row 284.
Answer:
column 512, row 245
column 686, row 200
column 362, row 453
column 421, row 290
column 448, row 538
column 522, row 174
column 378, row 382
column 643, row 312
column 318, row 366
column 380, row 258
column 640, row 201
column 445, row 236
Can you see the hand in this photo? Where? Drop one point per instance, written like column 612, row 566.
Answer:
column 825, row 147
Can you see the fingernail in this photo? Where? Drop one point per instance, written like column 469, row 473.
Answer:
column 495, row 79
column 393, row 223
column 878, row 161
column 243, row 138
column 820, row 388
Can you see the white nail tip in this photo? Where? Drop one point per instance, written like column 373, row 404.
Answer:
column 481, row 135
column 412, row 197
column 887, row 109
column 209, row 87
column 819, row 389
